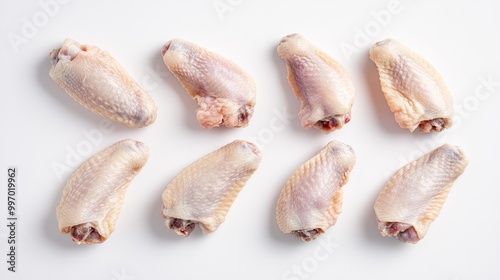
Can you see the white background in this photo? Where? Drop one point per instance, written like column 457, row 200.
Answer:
column 40, row 126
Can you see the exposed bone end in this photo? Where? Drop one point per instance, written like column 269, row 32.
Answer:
column 244, row 115
column 240, row 118
column 210, row 116
column 165, row 48
column 383, row 42
column 401, row 231
column 85, row 234
column 290, row 45
column 332, row 123
column 69, row 50
column 54, row 56
column 287, row 37
column 253, row 148
column 180, row 226
column 308, row 234
column 437, row 124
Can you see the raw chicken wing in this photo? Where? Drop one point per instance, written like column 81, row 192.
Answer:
column 415, row 92
column 203, row 192
column 323, row 86
column 93, row 196
column 97, row 81
column 224, row 91
column 311, row 199
column 414, row 196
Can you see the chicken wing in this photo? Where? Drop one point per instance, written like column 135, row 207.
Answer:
column 414, row 196
column 224, row 91
column 93, row 196
column 414, row 90
column 95, row 80
column 311, row 199
column 204, row 191
column 323, row 86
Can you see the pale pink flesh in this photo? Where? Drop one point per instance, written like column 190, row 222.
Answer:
column 414, row 196
column 93, row 196
column 203, row 192
column 99, row 83
column 180, row 226
column 224, row 91
column 415, row 91
column 401, row 231
column 311, row 199
column 86, row 234
column 323, row 86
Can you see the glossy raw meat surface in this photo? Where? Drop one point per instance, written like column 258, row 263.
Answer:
column 323, row 86
column 415, row 91
column 97, row 81
column 414, row 196
column 203, row 192
column 311, row 199
column 93, row 196
column 224, row 91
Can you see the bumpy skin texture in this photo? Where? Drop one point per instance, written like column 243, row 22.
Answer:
column 311, row 199
column 414, row 196
column 95, row 80
column 414, row 90
column 204, row 191
column 93, row 196
column 323, row 86
column 224, row 91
